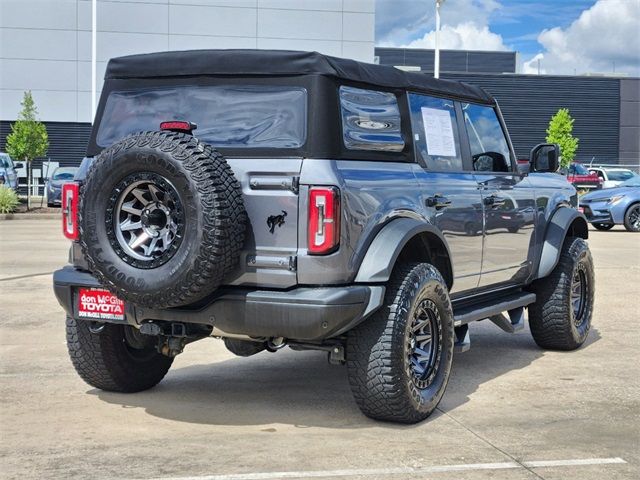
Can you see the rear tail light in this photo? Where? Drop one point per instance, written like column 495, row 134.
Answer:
column 178, row 126
column 70, row 200
column 324, row 220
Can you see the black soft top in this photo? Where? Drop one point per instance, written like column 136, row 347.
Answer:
column 284, row 63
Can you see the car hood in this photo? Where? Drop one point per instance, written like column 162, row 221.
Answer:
column 609, row 192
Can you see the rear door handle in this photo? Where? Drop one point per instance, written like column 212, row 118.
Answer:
column 438, row 202
column 494, row 201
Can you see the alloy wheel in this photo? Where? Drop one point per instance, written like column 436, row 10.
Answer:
column 145, row 220
column 424, row 344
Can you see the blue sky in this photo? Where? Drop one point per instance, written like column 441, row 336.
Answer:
column 520, row 22
column 568, row 36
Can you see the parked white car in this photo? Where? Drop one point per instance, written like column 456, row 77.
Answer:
column 612, row 177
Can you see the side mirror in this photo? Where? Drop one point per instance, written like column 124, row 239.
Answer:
column 490, row 162
column 545, row 158
column 18, row 165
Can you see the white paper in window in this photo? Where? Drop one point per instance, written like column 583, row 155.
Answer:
column 438, row 131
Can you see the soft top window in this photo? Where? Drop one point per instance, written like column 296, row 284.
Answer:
column 247, row 116
column 370, row 120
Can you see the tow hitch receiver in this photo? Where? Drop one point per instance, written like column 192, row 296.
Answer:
column 173, row 336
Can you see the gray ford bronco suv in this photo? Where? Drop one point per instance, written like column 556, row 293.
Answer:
column 279, row 198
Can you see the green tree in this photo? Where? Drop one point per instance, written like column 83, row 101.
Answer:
column 28, row 139
column 560, row 131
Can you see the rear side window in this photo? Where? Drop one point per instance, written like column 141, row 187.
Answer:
column 245, row 116
column 370, row 120
column 435, row 131
column 489, row 147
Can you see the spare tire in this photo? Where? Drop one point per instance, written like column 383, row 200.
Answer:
column 161, row 219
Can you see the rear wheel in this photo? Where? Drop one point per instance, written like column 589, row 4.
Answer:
column 560, row 319
column 603, row 226
column 632, row 218
column 116, row 358
column 399, row 360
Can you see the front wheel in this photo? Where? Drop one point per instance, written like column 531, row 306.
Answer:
column 560, row 318
column 632, row 218
column 399, row 360
column 603, row 226
column 116, row 358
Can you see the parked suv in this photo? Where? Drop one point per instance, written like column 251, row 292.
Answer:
column 273, row 198
column 8, row 176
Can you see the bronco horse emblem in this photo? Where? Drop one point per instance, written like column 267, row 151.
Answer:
column 276, row 221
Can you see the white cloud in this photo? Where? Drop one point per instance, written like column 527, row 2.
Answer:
column 464, row 36
column 604, row 37
column 534, row 66
column 402, row 22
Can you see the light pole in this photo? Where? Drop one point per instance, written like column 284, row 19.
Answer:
column 436, row 66
column 94, row 35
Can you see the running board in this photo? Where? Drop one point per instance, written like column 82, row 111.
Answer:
column 513, row 302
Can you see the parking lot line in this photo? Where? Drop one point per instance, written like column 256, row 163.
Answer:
column 405, row 470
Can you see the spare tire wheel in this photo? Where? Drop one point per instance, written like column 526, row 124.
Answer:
column 161, row 219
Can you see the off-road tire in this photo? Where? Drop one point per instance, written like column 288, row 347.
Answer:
column 213, row 212
column 603, row 226
column 628, row 224
column 106, row 361
column 552, row 319
column 377, row 355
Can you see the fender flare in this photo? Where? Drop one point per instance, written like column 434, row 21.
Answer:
column 381, row 256
column 561, row 222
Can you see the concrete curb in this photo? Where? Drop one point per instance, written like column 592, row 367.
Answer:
column 30, row 216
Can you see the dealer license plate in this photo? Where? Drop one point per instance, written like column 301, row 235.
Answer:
column 99, row 304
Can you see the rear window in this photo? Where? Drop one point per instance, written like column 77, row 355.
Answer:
column 620, row 175
column 227, row 116
column 577, row 169
column 64, row 173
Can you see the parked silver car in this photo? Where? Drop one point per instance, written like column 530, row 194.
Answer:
column 61, row 175
column 614, row 206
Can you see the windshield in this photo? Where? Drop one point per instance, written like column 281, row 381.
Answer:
column 578, row 169
column 632, row 182
column 620, row 175
column 5, row 161
column 64, row 174
column 230, row 116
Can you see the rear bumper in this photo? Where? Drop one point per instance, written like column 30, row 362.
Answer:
column 309, row 314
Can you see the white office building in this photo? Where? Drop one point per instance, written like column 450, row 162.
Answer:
column 45, row 45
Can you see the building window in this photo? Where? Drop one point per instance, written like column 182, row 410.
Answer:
column 435, row 131
column 370, row 120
